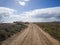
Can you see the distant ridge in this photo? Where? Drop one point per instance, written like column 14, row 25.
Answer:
column 56, row 21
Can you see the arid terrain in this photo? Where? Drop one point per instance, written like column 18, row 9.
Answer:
column 33, row 35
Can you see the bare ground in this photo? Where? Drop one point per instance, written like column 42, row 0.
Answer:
column 33, row 35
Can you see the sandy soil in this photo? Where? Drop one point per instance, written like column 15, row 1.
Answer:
column 33, row 35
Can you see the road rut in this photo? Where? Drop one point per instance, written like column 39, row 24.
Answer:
column 33, row 35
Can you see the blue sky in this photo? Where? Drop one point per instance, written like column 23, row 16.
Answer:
column 31, row 5
column 25, row 9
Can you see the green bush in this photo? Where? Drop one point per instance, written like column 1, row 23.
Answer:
column 53, row 28
column 7, row 30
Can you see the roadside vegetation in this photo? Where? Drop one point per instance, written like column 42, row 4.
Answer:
column 53, row 28
column 9, row 29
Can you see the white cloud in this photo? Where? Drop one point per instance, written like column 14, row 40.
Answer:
column 47, row 14
column 5, row 10
column 26, row 0
column 22, row 2
column 54, row 10
column 8, row 15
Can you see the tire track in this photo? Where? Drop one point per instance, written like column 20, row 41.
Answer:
column 44, row 39
column 33, row 35
column 27, row 40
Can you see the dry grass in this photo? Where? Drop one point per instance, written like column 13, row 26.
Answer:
column 7, row 30
column 53, row 28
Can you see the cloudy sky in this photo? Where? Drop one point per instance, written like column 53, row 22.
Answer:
column 29, row 10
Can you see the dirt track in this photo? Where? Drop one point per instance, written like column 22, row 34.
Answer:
column 33, row 35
